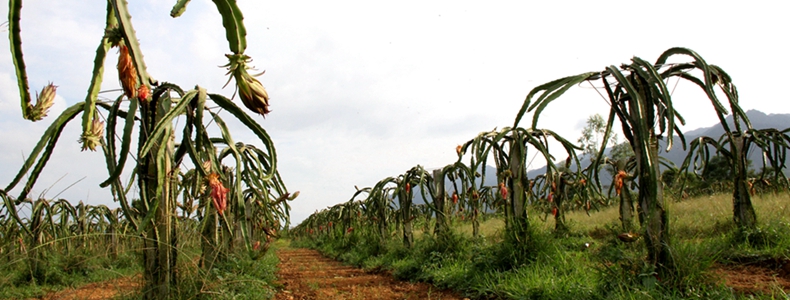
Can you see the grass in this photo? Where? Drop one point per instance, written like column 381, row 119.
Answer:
column 238, row 277
column 587, row 263
column 57, row 272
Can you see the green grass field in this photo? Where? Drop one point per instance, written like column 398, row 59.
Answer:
column 589, row 262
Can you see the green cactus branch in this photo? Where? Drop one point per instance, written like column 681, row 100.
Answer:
column 127, row 134
column 98, row 73
column 232, row 20
column 14, row 34
column 179, row 8
column 48, row 140
column 130, row 39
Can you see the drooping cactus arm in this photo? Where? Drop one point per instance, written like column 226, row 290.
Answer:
column 14, row 13
column 232, row 20
column 179, row 8
column 98, row 74
column 50, row 138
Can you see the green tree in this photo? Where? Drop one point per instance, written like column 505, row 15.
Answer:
column 592, row 138
column 718, row 170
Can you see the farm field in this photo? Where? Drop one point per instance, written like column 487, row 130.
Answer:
column 187, row 195
column 96, row 272
column 703, row 236
column 589, row 261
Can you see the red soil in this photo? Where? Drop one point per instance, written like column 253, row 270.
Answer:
column 99, row 290
column 766, row 277
column 306, row 274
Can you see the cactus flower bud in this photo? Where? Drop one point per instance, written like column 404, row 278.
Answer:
column 92, row 137
column 455, row 198
column 44, row 101
column 458, row 150
column 22, row 247
column 252, row 93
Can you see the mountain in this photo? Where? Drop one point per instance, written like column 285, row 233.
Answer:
column 759, row 120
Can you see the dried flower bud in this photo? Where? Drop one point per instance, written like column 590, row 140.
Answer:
column 127, row 73
column 503, row 190
column 618, row 181
column 143, row 93
column 44, row 101
column 219, row 193
column 628, row 237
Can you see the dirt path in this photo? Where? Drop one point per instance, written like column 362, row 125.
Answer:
column 768, row 277
column 306, row 274
column 99, row 290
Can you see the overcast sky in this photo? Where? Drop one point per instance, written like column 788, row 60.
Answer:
column 362, row 90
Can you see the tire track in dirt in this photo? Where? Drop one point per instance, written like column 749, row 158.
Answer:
column 306, row 274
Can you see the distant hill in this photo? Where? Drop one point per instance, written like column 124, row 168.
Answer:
column 490, row 181
column 758, row 119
